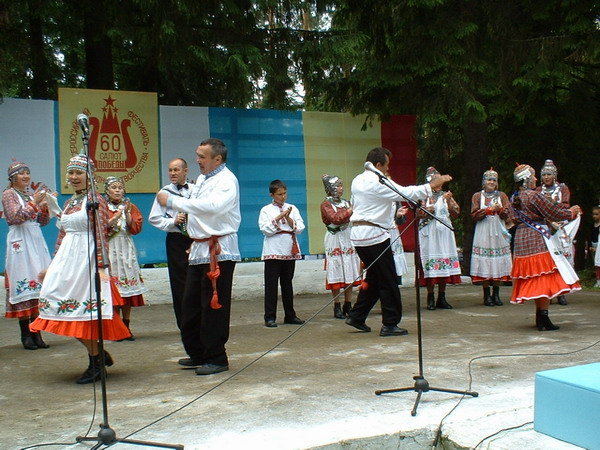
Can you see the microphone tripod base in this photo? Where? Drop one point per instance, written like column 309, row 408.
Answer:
column 107, row 436
column 422, row 385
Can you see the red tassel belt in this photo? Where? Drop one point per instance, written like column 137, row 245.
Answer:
column 214, row 248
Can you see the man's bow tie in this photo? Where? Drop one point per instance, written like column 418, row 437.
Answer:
column 181, row 186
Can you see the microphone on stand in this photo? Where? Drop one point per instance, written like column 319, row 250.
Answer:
column 84, row 123
column 371, row 168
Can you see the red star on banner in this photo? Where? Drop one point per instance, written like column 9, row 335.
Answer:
column 110, row 101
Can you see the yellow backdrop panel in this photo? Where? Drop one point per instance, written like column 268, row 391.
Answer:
column 123, row 139
column 334, row 144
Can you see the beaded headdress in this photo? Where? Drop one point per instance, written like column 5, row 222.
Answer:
column 489, row 175
column 79, row 162
column 16, row 167
column 431, row 173
column 549, row 168
column 111, row 180
column 523, row 172
column 331, row 182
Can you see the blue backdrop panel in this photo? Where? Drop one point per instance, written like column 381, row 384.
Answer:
column 263, row 145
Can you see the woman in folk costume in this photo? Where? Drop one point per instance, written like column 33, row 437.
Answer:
column 125, row 220
column 26, row 251
column 491, row 260
column 439, row 256
column 341, row 260
column 537, row 273
column 68, row 304
column 565, row 230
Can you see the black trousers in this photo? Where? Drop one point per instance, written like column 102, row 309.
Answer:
column 282, row 271
column 205, row 331
column 177, row 259
column 382, row 283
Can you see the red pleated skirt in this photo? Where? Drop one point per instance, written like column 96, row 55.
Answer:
column 537, row 276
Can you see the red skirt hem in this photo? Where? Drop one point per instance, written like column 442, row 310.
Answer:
column 22, row 313
column 133, row 301
column 506, row 281
column 332, row 286
column 112, row 329
column 452, row 279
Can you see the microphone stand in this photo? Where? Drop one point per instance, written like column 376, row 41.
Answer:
column 421, row 384
column 106, row 435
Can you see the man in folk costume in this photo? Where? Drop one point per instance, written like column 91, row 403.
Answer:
column 491, row 260
column 373, row 205
column 177, row 241
column 213, row 221
column 564, row 231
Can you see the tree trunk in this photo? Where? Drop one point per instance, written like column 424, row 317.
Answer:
column 475, row 163
column 98, row 48
column 39, row 63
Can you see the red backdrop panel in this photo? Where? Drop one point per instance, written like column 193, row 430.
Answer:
column 398, row 136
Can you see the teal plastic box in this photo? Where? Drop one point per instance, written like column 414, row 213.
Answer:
column 567, row 404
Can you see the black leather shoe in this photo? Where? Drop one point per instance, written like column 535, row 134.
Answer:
column 294, row 321
column 392, row 330
column 209, row 369
column 562, row 300
column 359, row 325
column 271, row 324
column 189, row 362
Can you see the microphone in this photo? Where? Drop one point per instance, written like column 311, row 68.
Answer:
column 84, row 123
column 371, row 168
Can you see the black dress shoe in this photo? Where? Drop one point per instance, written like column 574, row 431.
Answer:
column 293, row 321
column 209, row 369
column 270, row 324
column 392, row 330
column 189, row 362
column 356, row 324
column 562, row 300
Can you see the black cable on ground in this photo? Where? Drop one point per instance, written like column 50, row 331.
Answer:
column 517, row 355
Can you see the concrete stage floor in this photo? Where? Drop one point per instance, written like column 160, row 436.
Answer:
column 303, row 387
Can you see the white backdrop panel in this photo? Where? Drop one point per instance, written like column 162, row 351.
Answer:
column 181, row 131
column 27, row 133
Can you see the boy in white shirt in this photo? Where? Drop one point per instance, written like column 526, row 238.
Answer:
column 280, row 222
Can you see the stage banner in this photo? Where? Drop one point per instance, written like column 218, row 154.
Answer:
column 334, row 144
column 123, row 139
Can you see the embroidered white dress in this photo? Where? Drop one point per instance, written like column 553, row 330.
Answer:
column 439, row 256
column 68, row 292
column 122, row 253
column 26, row 256
column 491, row 257
column 342, row 264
